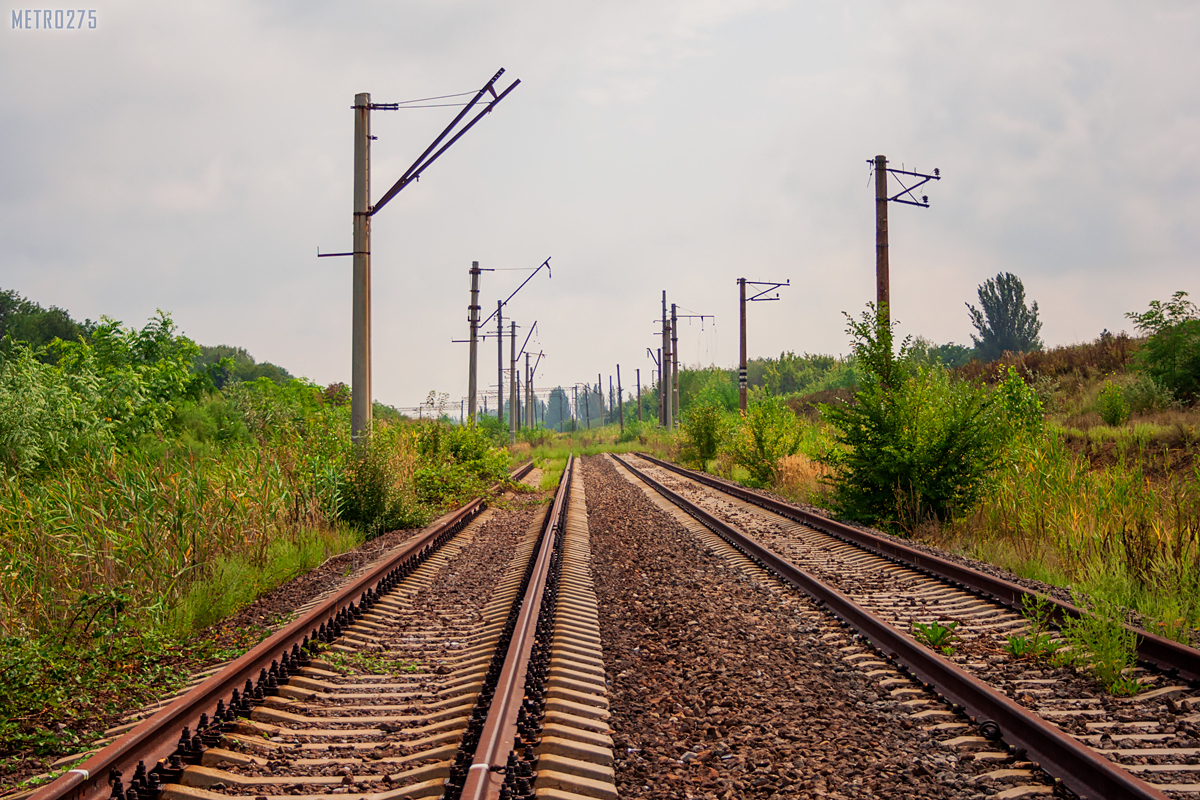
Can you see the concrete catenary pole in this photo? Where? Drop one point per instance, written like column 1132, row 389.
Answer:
column 473, row 315
column 528, row 393
column 674, row 368
column 882, row 281
column 574, row 406
column 360, row 359
column 620, row 401
column 664, row 377
column 743, row 381
column 639, row 390
column 600, row 394
column 499, row 359
column 661, row 393
column 512, row 389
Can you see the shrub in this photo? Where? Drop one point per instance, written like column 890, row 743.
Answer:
column 702, row 431
column 1172, row 353
column 1111, row 405
column 1145, row 393
column 766, row 433
column 916, row 446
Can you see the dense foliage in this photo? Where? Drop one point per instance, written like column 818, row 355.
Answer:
column 138, row 502
column 916, row 444
column 1172, row 353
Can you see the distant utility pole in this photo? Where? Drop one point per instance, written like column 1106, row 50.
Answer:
column 882, row 279
column 512, row 393
column 499, row 359
column 574, row 407
column 600, row 394
column 587, row 407
column 743, row 379
column 639, row 390
column 528, row 393
column 673, row 414
column 664, row 378
column 473, row 316
column 360, row 361
column 620, row 401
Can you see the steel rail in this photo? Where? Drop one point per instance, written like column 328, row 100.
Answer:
column 1081, row 769
column 158, row 736
column 485, row 777
column 1173, row 658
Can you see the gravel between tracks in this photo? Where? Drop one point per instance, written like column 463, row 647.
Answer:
column 720, row 688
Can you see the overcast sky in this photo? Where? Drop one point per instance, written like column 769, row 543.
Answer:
column 193, row 156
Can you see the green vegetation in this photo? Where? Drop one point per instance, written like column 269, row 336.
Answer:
column 937, row 635
column 916, row 445
column 1171, row 355
column 139, row 504
column 1037, row 642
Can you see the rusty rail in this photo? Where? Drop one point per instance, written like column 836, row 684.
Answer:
column 1080, row 768
column 1173, row 658
column 487, row 772
column 158, row 737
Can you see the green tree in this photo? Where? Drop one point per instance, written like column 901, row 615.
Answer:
column 1171, row 355
column 1005, row 323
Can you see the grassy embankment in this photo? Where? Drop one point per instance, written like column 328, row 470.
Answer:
column 139, row 506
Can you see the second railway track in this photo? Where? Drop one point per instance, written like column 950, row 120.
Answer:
column 1154, row 735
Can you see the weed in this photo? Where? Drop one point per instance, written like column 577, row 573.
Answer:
column 1101, row 643
column 939, row 636
column 370, row 663
column 1036, row 643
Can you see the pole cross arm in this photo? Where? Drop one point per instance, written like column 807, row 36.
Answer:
column 769, row 285
column 908, row 190
column 545, row 264
column 413, row 173
column 532, row 328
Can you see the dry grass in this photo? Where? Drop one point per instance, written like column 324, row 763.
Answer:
column 799, row 477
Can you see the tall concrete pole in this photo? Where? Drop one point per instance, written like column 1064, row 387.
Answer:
column 360, row 360
column 499, row 359
column 664, row 377
column 663, row 413
column 512, row 389
column 528, row 393
column 882, row 281
column 620, row 401
column 473, row 315
column 600, row 394
column 639, row 385
column 574, row 406
column 674, row 368
column 743, row 381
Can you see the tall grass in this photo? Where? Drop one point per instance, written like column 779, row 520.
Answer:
column 1050, row 516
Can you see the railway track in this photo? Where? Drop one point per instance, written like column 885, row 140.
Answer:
column 1097, row 745
column 466, row 665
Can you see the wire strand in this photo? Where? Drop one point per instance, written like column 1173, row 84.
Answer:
column 439, row 97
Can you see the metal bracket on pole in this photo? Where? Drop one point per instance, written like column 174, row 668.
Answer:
column 923, row 202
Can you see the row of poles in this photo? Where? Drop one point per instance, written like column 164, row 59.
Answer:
column 666, row 358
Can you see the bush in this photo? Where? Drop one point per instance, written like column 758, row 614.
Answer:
column 1171, row 355
column 1111, row 405
column 766, row 433
column 1144, row 393
column 702, row 431
column 916, row 446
